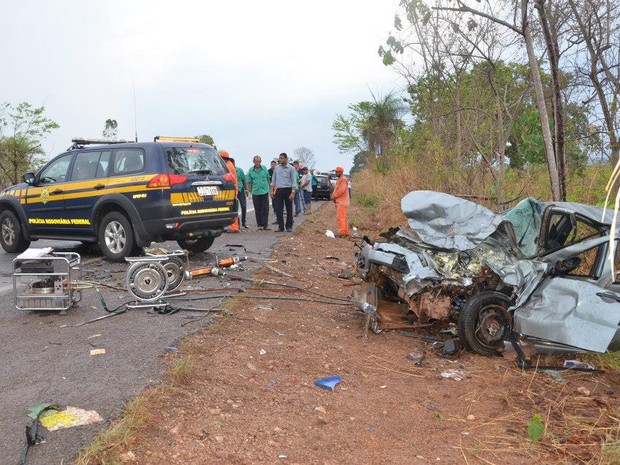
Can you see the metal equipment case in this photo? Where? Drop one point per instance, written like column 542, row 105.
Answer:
column 42, row 280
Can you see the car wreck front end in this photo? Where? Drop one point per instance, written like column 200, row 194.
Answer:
column 460, row 268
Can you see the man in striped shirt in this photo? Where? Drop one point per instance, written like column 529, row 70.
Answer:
column 283, row 188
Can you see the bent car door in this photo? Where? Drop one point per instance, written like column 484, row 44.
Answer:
column 570, row 306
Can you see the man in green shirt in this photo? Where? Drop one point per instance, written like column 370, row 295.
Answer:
column 241, row 195
column 258, row 180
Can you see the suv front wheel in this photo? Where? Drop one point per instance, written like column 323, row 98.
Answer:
column 116, row 238
column 11, row 238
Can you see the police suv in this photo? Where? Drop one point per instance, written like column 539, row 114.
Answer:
column 123, row 195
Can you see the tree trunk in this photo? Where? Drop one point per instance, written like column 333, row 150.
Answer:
column 556, row 103
column 554, row 177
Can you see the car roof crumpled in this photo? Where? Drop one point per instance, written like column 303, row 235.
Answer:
column 448, row 222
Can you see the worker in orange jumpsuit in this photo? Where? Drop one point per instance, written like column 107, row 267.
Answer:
column 234, row 228
column 341, row 198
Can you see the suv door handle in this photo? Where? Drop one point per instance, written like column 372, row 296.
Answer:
column 57, row 191
column 98, row 186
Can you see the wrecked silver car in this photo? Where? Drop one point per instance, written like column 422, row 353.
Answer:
column 540, row 271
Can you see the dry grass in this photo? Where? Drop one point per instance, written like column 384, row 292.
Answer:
column 104, row 450
column 582, row 425
column 380, row 187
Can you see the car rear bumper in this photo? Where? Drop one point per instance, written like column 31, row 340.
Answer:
column 211, row 225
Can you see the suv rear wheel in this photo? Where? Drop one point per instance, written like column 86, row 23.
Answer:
column 116, row 238
column 196, row 245
column 11, row 238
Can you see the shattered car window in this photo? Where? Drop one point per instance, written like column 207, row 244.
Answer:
column 565, row 230
column 526, row 219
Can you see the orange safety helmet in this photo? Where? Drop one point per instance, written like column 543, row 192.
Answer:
column 224, row 154
column 339, row 168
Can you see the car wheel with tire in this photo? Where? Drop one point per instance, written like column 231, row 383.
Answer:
column 484, row 322
column 116, row 238
column 196, row 245
column 12, row 238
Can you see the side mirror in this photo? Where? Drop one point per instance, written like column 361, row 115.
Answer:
column 568, row 265
column 28, row 178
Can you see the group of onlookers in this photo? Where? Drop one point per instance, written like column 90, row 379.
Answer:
column 286, row 184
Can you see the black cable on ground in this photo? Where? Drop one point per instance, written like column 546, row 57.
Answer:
column 255, row 296
column 292, row 286
column 31, row 433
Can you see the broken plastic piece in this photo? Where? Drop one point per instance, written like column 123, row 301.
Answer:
column 578, row 364
column 68, row 418
column 328, row 383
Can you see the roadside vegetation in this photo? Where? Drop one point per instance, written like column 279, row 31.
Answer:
column 499, row 101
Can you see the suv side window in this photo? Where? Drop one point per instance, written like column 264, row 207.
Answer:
column 56, row 171
column 104, row 161
column 128, row 161
column 90, row 165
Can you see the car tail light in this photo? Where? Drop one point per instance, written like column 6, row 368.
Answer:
column 166, row 180
column 228, row 177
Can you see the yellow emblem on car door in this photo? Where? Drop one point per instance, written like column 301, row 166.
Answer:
column 45, row 195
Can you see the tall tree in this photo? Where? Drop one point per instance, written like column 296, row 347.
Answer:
column 205, row 139
column 111, row 129
column 597, row 28
column 304, row 156
column 372, row 126
column 20, row 143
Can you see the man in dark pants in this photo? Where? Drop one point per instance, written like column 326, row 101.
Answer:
column 283, row 189
column 241, row 194
column 258, row 185
column 270, row 171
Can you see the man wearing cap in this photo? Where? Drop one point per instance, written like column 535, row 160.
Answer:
column 341, row 198
column 234, row 228
column 283, row 188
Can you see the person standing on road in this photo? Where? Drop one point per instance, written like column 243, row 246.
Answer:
column 271, row 168
column 315, row 182
column 258, row 180
column 270, row 171
column 283, row 189
column 234, row 228
column 241, row 195
column 305, row 185
column 299, row 203
column 341, row 198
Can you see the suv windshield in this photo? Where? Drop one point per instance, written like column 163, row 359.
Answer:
column 195, row 160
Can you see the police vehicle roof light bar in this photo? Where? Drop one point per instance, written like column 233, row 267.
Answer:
column 79, row 142
column 175, row 139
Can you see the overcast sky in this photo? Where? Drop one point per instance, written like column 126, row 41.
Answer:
column 260, row 77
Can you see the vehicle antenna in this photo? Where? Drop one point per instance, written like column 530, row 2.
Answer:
column 135, row 112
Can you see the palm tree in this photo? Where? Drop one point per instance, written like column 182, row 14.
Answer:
column 380, row 122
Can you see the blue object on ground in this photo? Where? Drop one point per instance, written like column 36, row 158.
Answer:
column 328, row 383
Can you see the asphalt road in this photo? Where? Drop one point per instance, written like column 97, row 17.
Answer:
column 46, row 358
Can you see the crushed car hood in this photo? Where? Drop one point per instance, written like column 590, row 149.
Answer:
column 448, row 222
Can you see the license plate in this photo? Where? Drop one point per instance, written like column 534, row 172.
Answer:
column 207, row 190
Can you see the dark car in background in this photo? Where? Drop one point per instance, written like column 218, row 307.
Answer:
column 123, row 196
column 323, row 188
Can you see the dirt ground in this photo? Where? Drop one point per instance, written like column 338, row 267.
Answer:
column 242, row 390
